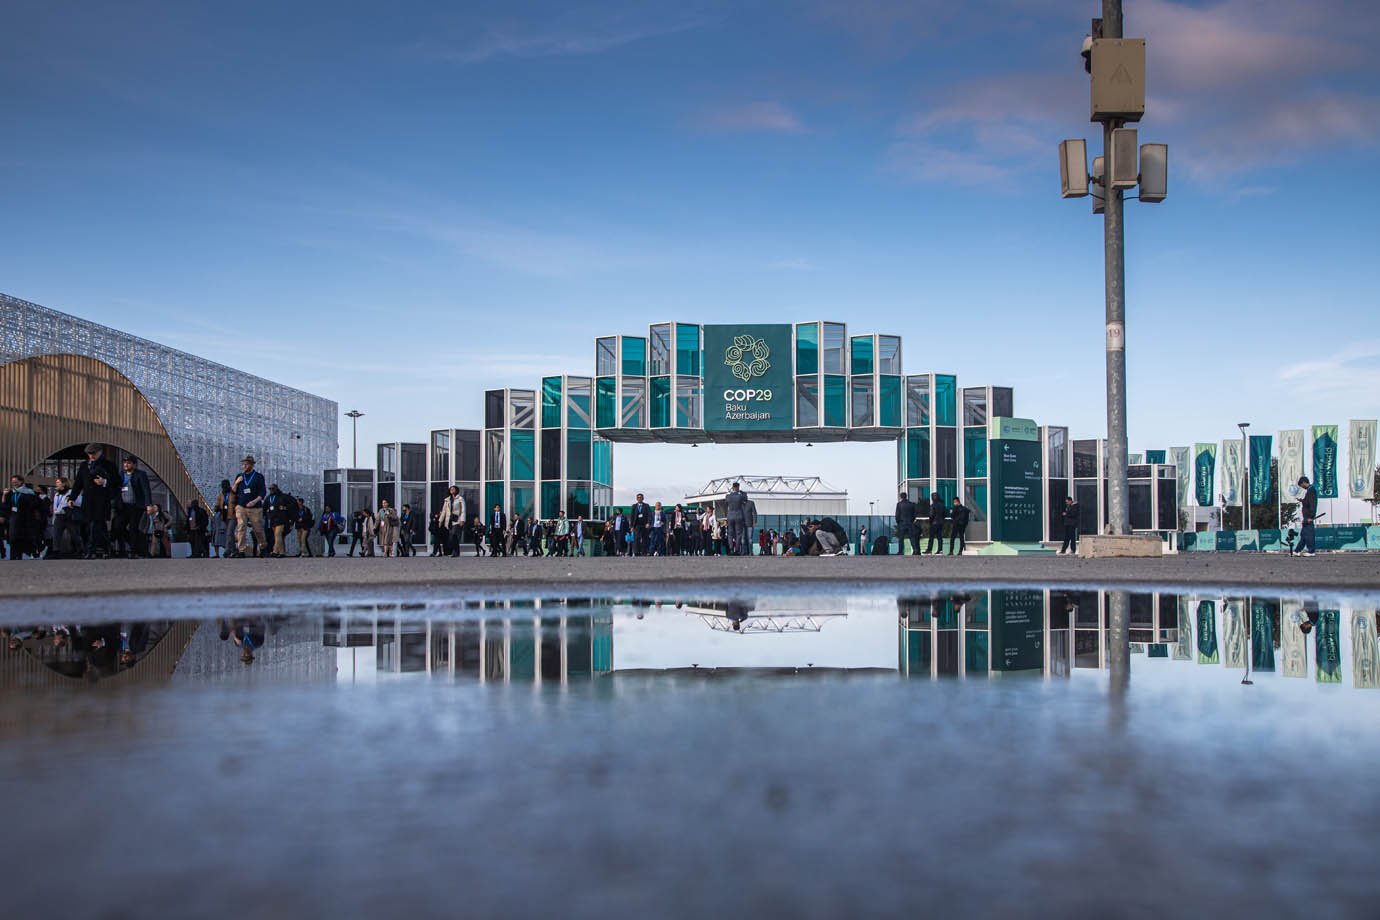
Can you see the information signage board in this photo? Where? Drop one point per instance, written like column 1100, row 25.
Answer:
column 1018, row 630
column 1017, row 493
column 748, row 378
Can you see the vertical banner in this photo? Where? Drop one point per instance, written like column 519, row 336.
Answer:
column 1207, row 633
column 1290, row 464
column 1293, row 644
column 1365, row 650
column 1156, row 456
column 1325, row 460
column 1264, row 618
column 1231, row 473
column 1260, row 468
column 1234, row 633
column 1361, row 451
column 1183, row 648
column 1204, row 466
column 1183, row 472
column 1328, row 647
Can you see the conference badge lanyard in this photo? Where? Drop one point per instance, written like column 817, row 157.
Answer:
column 127, row 491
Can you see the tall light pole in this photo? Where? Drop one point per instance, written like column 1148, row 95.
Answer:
column 1114, row 248
column 1245, row 473
column 354, row 416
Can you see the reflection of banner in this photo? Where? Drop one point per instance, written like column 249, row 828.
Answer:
column 1260, row 468
column 1263, row 615
column 1231, row 472
column 1183, row 649
column 1328, row 647
column 1361, row 469
column 1183, row 472
column 1290, row 464
column 1325, row 460
column 1293, row 644
column 1204, row 465
column 1234, row 634
column 1207, row 633
column 1365, row 650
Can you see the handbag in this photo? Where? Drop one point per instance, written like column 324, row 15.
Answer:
column 628, row 537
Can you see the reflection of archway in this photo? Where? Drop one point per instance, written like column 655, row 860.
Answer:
column 20, row 668
column 50, row 402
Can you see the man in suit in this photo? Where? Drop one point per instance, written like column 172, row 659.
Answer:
column 619, row 527
column 577, row 535
column 905, row 525
column 656, row 544
column 1070, row 518
column 23, row 518
column 937, row 514
column 498, row 526
column 641, row 525
column 135, row 496
column 94, row 491
column 736, row 503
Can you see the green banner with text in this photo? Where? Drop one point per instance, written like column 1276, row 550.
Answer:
column 1204, row 466
column 1325, row 460
column 747, row 378
column 1260, row 468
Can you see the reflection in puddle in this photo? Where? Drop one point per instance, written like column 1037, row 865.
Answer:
column 970, row 633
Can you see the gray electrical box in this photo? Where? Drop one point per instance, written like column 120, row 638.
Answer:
column 1118, row 79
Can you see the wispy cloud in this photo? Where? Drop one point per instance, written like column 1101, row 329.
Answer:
column 518, row 42
column 752, row 116
column 1344, row 373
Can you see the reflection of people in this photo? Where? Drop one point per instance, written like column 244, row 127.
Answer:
column 737, row 613
column 248, row 635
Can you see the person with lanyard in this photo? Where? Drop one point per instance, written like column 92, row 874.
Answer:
column 66, row 532
column 577, row 536
column 331, row 525
column 498, row 523
column 135, row 496
column 249, row 493
column 93, row 492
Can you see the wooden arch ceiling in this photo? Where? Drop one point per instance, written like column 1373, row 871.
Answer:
column 51, row 402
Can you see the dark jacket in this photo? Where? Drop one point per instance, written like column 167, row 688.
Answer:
column 500, row 523
column 140, row 495
column 1072, row 514
column 407, row 527
column 96, row 499
column 1309, row 505
column 23, row 513
column 641, row 515
column 197, row 518
column 905, row 511
column 735, row 503
column 249, row 489
column 960, row 516
column 829, row 525
column 937, row 510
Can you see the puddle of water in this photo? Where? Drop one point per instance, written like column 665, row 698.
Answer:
column 769, row 752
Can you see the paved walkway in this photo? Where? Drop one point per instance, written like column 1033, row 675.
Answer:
column 67, row 578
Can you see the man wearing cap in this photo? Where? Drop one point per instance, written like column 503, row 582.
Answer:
column 135, row 496
column 93, row 491
column 249, row 492
column 1308, row 508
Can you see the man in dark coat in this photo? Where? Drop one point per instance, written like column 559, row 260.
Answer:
column 23, row 518
column 95, row 491
column 497, row 526
column 1070, row 517
column 1308, row 508
column 958, row 527
column 407, row 532
column 905, row 525
column 197, row 522
column 641, row 525
column 135, row 496
column 937, row 515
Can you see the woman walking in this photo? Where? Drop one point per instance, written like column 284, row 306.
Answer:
column 387, row 528
column 477, row 536
column 368, row 529
column 220, row 531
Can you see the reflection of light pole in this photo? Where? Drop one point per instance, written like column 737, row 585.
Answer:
column 1245, row 473
column 870, row 506
column 354, row 415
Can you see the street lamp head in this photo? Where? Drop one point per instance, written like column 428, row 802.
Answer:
column 1243, row 424
column 354, row 413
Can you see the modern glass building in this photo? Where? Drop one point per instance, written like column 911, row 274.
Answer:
column 65, row 381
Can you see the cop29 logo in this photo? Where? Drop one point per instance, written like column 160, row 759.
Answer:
column 747, row 357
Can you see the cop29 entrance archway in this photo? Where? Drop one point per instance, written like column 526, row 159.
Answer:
column 550, row 449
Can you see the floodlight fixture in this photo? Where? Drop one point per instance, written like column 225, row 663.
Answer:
column 1154, row 172
column 1123, row 167
column 1099, row 194
column 1073, row 168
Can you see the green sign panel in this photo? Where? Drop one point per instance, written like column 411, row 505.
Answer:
column 1016, row 490
column 1018, row 630
column 748, row 383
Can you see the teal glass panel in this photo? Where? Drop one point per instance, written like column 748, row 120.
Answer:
column 634, row 356
column 862, row 354
column 603, row 462
column 522, row 653
column 976, row 500
column 606, row 402
column 577, row 454
column 493, row 495
column 522, row 455
column 688, row 350
column 550, row 499
column 661, row 402
column 917, row 401
column 807, row 348
column 945, row 399
column 524, row 501
column 551, row 402
column 917, row 453
column 835, row 401
column 577, row 500
column 889, row 402
column 976, row 644
column 577, row 402
column 864, row 404
column 947, row 489
column 975, row 453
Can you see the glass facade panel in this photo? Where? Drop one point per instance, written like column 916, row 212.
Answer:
column 947, row 489
column 689, row 399
column 494, row 454
column 661, row 402
column 551, row 453
column 524, row 499
column 606, row 356
column 550, row 499
column 975, row 497
column 807, row 348
column 523, row 406
column 975, row 453
column 889, row 402
column 660, row 342
column 862, row 354
column 467, row 456
column 1141, row 505
column 577, row 402
column 634, row 410
column 634, row 356
column 864, row 411
column 523, row 454
column 493, row 409
column 577, row 501
column 388, row 462
column 945, row 399
column 551, row 402
column 493, row 495
column 975, row 406
column 946, row 453
column 578, row 460
column 1003, row 405
column 888, row 354
column 917, row 401
column 807, row 401
column 836, row 401
column 603, row 462
column 688, row 361
column 835, row 358
column 1057, row 446
column 918, row 453
column 412, row 464
column 606, row 402
column 1085, row 461
column 440, row 456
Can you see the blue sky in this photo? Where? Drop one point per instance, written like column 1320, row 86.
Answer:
column 399, row 205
